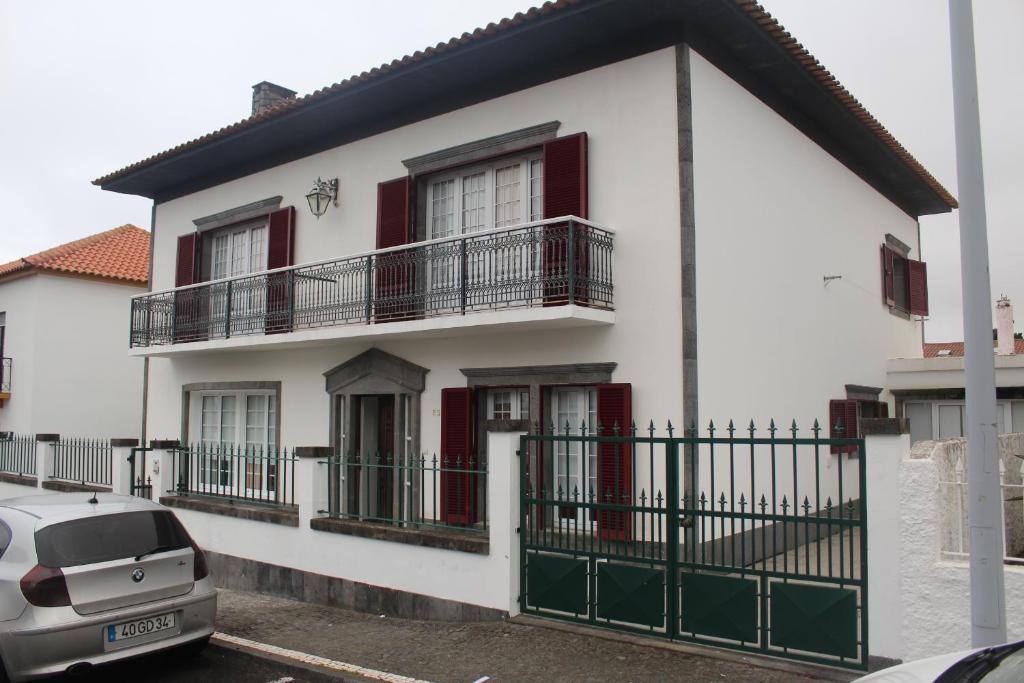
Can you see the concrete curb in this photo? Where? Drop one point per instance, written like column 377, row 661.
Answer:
column 302, row 660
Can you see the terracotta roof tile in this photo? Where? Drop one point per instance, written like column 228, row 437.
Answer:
column 761, row 17
column 956, row 349
column 118, row 254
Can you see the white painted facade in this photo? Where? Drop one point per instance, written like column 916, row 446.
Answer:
column 630, row 136
column 776, row 215
column 66, row 337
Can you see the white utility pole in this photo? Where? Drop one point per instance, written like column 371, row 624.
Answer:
column 985, row 498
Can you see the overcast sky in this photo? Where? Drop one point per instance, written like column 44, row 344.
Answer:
column 86, row 88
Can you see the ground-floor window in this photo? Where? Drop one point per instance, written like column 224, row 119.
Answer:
column 237, row 439
column 508, row 404
column 573, row 410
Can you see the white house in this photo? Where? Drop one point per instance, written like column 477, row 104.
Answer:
column 929, row 389
column 582, row 214
column 62, row 328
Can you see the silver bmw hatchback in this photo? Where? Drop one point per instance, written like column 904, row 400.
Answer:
column 89, row 579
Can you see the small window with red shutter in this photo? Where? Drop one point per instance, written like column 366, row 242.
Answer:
column 904, row 283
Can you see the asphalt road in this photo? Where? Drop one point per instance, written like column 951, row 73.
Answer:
column 214, row 665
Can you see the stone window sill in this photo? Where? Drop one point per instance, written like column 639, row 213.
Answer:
column 428, row 538
column 285, row 516
column 72, row 487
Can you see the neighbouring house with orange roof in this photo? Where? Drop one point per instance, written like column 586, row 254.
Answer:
column 929, row 390
column 62, row 333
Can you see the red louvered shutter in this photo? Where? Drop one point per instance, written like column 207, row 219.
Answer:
column 187, row 268
column 888, row 277
column 842, row 423
column 883, row 409
column 191, row 309
column 918, row 287
column 280, row 254
column 565, row 194
column 458, row 457
column 614, row 461
column 395, row 273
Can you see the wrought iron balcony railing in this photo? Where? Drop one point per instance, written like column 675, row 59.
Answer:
column 543, row 263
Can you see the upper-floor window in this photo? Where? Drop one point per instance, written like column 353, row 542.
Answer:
column 904, row 282
column 238, row 250
column 486, row 196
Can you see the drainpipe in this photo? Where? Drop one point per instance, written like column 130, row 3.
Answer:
column 984, row 505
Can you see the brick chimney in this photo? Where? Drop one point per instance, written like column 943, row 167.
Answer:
column 1004, row 327
column 266, row 95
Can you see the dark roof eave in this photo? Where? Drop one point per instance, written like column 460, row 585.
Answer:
column 766, row 63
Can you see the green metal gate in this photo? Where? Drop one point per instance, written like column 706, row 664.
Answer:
column 744, row 540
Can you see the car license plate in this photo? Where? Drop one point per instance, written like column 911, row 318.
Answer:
column 139, row 627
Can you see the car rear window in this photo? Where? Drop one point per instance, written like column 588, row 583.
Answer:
column 108, row 537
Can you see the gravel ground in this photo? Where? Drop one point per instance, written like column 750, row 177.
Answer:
column 463, row 653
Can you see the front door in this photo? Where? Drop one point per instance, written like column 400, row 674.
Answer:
column 574, row 477
column 387, row 467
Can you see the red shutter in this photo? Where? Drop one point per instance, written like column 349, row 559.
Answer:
column 280, row 254
column 191, row 310
column 888, row 280
column 565, row 194
column 394, row 224
column 187, row 269
column 394, row 273
column 842, row 413
column 918, row 287
column 458, row 488
column 565, row 176
column 614, row 461
column 281, row 239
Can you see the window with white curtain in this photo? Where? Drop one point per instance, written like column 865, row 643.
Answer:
column 485, row 196
column 232, row 425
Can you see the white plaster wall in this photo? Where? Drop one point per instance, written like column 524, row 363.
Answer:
column 85, row 384
column 775, row 214
column 628, row 110
column 19, row 300
column 935, row 600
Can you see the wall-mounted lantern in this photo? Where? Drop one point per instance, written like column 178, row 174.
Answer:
column 320, row 197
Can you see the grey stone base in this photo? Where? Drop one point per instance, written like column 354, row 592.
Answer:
column 286, row 515
column 72, row 487
column 237, row 573
column 20, row 479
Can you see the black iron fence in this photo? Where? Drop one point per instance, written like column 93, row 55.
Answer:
column 83, row 460
column 415, row 491
column 747, row 538
column 18, row 454
column 545, row 263
column 250, row 474
column 6, row 370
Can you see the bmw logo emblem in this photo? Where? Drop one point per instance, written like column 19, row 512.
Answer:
column 138, row 575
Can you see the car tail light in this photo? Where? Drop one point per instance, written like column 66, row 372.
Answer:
column 200, row 570
column 45, row 587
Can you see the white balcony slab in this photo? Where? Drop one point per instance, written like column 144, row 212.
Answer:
column 470, row 324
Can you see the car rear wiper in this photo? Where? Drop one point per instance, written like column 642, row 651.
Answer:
column 974, row 667
column 159, row 549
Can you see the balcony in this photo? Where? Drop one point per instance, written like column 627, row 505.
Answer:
column 554, row 273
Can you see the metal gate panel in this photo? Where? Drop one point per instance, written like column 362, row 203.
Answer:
column 556, row 583
column 720, row 607
column 818, row 619
column 631, row 594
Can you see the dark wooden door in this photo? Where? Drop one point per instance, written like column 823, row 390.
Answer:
column 386, row 454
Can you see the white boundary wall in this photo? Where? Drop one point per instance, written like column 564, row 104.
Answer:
column 919, row 599
column 490, row 580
